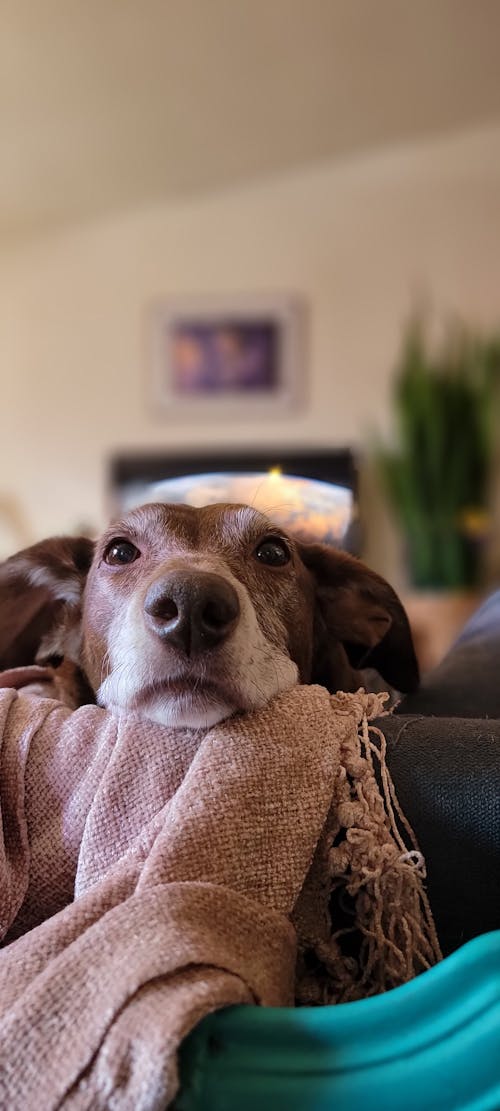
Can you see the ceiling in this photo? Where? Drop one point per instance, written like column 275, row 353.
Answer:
column 106, row 104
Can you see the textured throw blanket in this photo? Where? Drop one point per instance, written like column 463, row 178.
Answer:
column 150, row 875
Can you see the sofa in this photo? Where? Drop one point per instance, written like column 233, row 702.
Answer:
column 444, row 756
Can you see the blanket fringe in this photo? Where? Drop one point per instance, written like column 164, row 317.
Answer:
column 380, row 930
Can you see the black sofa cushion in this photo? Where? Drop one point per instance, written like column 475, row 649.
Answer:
column 444, row 757
column 447, row 777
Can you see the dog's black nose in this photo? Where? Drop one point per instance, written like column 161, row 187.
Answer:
column 192, row 610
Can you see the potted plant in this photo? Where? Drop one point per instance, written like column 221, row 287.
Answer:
column 438, row 476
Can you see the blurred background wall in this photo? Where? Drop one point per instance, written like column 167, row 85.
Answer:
column 347, row 152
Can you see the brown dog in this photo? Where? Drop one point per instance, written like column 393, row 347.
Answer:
column 185, row 616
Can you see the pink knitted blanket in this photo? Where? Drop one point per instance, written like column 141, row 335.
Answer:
column 149, row 876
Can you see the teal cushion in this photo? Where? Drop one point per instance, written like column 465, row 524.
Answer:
column 431, row 1045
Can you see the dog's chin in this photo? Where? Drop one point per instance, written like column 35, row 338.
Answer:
column 178, row 702
column 179, row 709
column 186, row 711
column 183, row 701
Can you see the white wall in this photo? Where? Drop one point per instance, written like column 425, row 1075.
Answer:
column 355, row 240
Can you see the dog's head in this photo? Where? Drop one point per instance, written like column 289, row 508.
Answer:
column 185, row 616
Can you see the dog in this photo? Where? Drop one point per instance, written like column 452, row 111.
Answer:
column 186, row 616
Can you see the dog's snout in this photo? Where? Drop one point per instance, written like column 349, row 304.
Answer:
column 192, row 611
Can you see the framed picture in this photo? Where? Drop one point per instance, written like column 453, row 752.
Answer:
column 240, row 354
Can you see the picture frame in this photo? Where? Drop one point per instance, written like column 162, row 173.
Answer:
column 241, row 355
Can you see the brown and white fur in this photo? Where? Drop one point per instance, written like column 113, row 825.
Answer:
column 217, row 612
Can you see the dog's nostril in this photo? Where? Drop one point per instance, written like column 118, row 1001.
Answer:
column 162, row 607
column 169, row 610
column 217, row 614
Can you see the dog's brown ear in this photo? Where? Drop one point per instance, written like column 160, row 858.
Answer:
column 40, row 594
column 358, row 608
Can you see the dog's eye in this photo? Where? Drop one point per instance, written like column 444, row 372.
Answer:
column 120, row 552
column 273, row 552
